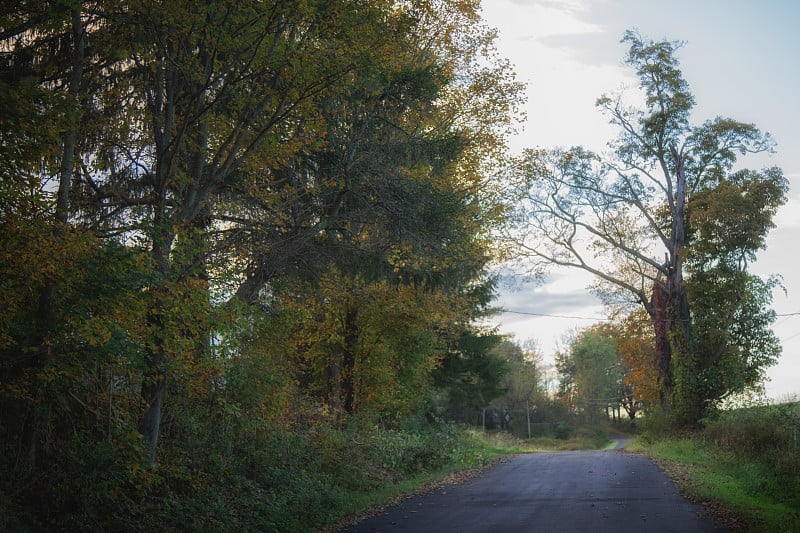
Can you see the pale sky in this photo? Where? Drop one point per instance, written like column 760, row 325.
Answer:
column 740, row 60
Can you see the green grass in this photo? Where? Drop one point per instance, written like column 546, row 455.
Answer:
column 745, row 491
column 501, row 443
column 581, row 438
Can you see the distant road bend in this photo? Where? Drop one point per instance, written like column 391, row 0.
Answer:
column 602, row 491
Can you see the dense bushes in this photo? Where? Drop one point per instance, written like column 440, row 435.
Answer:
column 277, row 477
column 302, row 479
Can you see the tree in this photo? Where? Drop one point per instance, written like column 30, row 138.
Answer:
column 635, row 341
column 403, row 169
column 44, row 84
column 523, row 381
column 626, row 218
column 286, row 136
column 222, row 168
column 731, row 308
column 522, row 384
column 471, row 373
column 592, row 372
column 213, row 215
column 213, row 94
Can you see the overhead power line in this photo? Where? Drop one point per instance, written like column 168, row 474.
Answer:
column 595, row 318
column 552, row 316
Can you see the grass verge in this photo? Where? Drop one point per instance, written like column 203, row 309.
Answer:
column 743, row 493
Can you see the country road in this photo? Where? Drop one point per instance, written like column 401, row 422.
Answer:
column 602, row 491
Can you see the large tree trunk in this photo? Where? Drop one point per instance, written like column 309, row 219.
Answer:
column 662, row 325
column 45, row 313
column 349, row 361
column 340, row 371
column 153, row 383
column 152, row 394
column 677, row 326
column 154, row 378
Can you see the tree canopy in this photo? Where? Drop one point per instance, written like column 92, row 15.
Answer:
column 216, row 212
column 591, row 373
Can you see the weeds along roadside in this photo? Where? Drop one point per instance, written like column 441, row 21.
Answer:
column 744, row 465
column 302, row 477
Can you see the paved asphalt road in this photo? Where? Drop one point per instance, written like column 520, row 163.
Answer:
column 603, row 491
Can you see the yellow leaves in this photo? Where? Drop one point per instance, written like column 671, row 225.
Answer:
column 95, row 332
column 20, row 390
column 52, row 374
column 401, row 257
column 372, row 337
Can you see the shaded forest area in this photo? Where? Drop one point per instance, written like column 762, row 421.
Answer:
column 230, row 231
column 245, row 248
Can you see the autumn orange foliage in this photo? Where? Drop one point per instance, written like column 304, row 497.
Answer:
column 636, row 344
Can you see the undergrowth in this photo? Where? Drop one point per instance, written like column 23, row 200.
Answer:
column 288, row 479
column 251, row 475
column 744, row 461
column 310, row 478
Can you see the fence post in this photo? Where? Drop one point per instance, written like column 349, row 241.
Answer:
column 528, row 415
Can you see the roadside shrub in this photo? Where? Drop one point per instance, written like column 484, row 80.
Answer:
column 562, row 431
column 409, row 453
column 655, row 425
column 766, row 434
column 755, row 432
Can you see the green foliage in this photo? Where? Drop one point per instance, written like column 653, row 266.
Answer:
column 668, row 98
column 413, row 453
column 591, row 372
column 269, row 220
column 522, row 384
column 655, row 425
column 730, row 220
column 471, row 373
column 765, row 434
column 302, row 478
column 68, row 436
column 732, row 319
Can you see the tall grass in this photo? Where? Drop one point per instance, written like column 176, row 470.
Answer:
column 747, row 460
column 765, row 434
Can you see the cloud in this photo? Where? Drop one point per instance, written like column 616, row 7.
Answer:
column 522, row 301
column 566, row 6
column 552, row 304
column 593, row 49
column 533, row 19
column 553, row 317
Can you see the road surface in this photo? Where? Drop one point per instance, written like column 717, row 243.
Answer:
column 603, row 491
